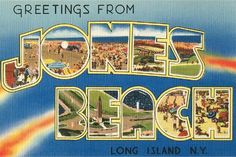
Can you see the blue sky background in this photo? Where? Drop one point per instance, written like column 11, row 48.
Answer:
column 216, row 18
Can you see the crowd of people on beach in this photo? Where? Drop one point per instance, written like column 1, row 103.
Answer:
column 169, row 111
column 212, row 112
column 25, row 75
column 67, row 56
column 29, row 72
column 116, row 53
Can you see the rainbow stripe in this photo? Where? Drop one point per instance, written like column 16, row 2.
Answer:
column 219, row 63
column 20, row 139
column 3, row 95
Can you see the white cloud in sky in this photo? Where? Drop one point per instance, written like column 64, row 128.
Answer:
column 65, row 33
column 185, row 34
column 33, row 36
column 98, row 31
column 150, row 32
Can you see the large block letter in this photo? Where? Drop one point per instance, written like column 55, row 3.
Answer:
column 70, row 121
column 25, row 71
column 168, row 114
column 103, row 113
column 109, row 47
column 186, row 45
column 212, row 113
column 138, row 114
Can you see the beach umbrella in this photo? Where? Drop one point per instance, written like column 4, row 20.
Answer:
column 211, row 114
column 173, row 110
column 56, row 65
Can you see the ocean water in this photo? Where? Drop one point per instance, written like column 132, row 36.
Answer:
column 95, row 39
column 67, row 39
column 125, row 39
column 188, row 39
column 121, row 39
column 144, row 38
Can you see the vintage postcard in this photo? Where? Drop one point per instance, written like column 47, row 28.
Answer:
column 117, row 78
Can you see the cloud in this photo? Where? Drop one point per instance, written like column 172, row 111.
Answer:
column 150, row 32
column 185, row 34
column 31, row 37
column 100, row 31
column 65, row 33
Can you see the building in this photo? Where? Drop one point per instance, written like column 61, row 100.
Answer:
column 99, row 110
column 137, row 106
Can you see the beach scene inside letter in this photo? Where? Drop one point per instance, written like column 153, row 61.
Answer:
column 138, row 114
column 64, row 51
column 167, row 117
column 28, row 73
column 212, row 113
column 101, row 112
column 147, row 49
column 184, row 43
column 69, row 123
column 109, row 45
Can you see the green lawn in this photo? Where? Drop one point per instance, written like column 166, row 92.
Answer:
column 189, row 70
column 68, row 132
column 94, row 96
column 68, row 116
column 67, row 100
column 77, row 96
column 191, row 59
column 144, row 125
column 73, row 107
column 129, row 112
column 148, row 125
